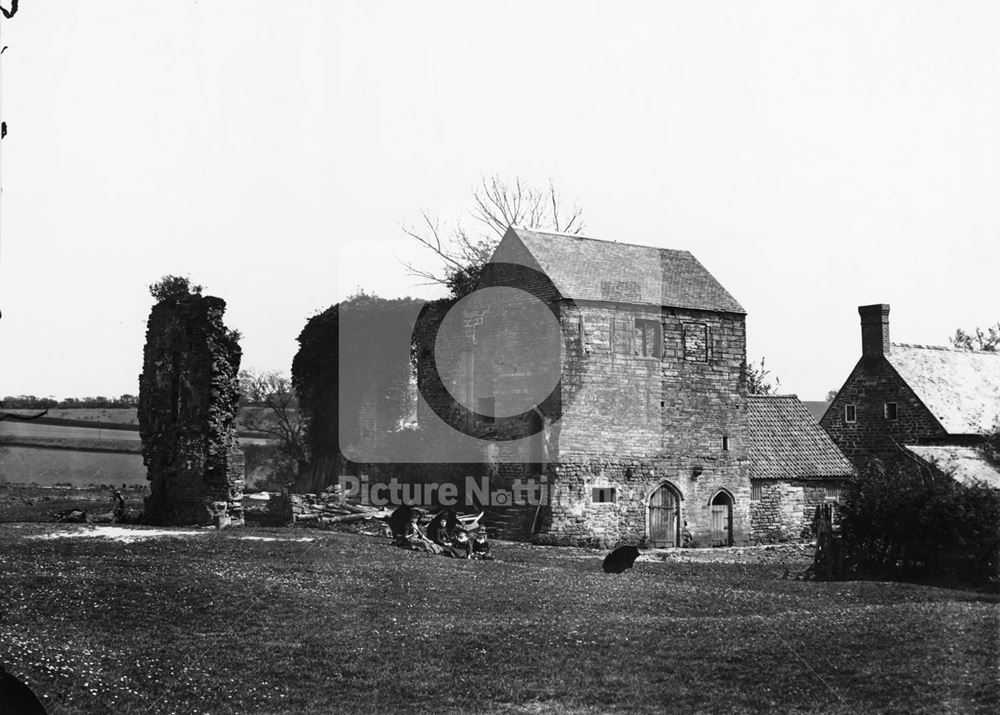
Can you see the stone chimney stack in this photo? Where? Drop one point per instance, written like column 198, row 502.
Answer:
column 874, row 330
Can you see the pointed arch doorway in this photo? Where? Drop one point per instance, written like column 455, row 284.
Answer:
column 721, row 525
column 665, row 517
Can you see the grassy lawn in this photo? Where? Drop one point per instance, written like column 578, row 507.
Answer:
column 322, row 622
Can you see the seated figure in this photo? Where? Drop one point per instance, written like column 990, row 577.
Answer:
column 481, row 547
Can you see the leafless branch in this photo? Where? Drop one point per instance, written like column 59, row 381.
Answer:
column 496, row 205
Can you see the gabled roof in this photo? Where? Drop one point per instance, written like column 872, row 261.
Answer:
column 961, row 388
column 589, row 269
column 966, row 464
column 816, row 408
column 785, row 442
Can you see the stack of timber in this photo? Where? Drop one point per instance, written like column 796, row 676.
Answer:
column 331, row 508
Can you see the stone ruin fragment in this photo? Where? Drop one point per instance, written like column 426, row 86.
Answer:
column 188, row 403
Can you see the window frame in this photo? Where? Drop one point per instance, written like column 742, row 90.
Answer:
column 657, row 329
column 894, row 409
column 604, row 491
column 850, row 413
column 705, row 355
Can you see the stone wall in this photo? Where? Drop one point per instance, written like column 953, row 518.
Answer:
column 575, row 517
column 872, row 383
column 647, row 396
column 786, row 508
column 188, row 399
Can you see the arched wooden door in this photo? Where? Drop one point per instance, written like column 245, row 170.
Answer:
column 721, row 528
column 664, row 517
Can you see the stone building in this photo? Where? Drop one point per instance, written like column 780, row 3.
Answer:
column 932, row 403
column 613, row 371
column 794, row 467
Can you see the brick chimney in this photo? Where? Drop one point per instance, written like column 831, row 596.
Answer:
column 874, row 330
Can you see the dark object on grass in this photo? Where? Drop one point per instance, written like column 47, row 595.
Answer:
column 399, row 521
column 16, row 698
column 72, row 516
column 621, row 559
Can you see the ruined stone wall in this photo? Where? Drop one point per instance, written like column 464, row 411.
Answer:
column 872, row 383
column 188, row 399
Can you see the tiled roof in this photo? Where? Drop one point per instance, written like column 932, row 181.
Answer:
column 966, row 464
column 589, row 269
column 785, row 442
column 961, row 388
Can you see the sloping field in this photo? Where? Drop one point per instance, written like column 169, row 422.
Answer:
column 298, row 621
column 76, row 447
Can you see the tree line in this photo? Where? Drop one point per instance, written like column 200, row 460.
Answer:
column 31, row 402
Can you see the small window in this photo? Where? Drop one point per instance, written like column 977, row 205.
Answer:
column 604, row 495
column 890, row 410
column 755, row 490
column 648, row 338
column 850, row 413
column 696, row 342
column 833, row 493
column 725, row 443
column 486, row 407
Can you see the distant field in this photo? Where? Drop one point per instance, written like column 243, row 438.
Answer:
column 108, row 415
column 85, row 446
column 112, row 415
column 117, row 620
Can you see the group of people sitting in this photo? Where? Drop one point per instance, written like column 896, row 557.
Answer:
column 446, row 536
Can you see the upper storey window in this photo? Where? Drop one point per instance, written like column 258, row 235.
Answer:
column 696, row 342
column 648, row 340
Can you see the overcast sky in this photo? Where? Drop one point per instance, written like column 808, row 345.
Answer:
column 814, row 157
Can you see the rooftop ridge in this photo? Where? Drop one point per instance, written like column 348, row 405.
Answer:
column 945, row 348
column 598, row 240
column 788, row 396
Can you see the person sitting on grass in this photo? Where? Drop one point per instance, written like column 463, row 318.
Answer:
column 462, row 544
column 441, row 526
column 481, row 547
column 415, row 540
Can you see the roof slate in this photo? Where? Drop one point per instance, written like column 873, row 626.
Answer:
column 966, row 464
column 785, row 442
column 961, row 388
column 590, row 269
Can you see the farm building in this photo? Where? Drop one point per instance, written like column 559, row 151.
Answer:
column 794, row 467
column 929, row 403
column 626, row 392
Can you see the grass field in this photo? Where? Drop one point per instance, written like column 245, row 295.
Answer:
column 299, row 621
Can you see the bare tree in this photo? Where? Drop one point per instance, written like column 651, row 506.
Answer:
column 497, row 205
column 271, row 407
